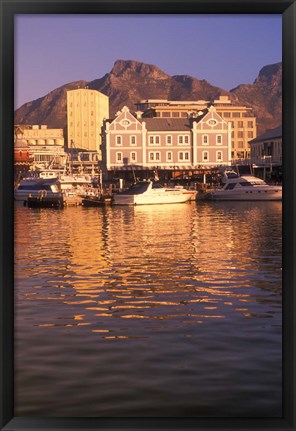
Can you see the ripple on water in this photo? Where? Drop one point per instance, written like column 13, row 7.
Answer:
column 168, row 311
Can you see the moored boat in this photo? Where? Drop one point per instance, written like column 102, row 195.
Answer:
column 244, row 188
column 192, row 193
column 150, row 193
column 36, row 187
column 68, row 181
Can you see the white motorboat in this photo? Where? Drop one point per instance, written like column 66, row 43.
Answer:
column 36, row 187
column 245, row 188
column 50, row 174
column 68, row 181
column 149, row 193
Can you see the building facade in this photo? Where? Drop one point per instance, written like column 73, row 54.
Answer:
column 39, row 145
column 86, row 110
column 267, row 148
column 241, row 118
column 166, row 143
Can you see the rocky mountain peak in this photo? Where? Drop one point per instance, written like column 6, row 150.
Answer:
column 126, row 68
column 270, row 74
column 130, row 81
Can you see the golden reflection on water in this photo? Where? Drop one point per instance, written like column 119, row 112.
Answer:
column 184, row 263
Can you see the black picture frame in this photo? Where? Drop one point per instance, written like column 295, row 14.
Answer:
column 287, row 8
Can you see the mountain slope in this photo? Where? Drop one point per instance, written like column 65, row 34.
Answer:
column 130, row 81
column 264, row 96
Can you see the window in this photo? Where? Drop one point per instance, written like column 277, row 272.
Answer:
column 175, row 114
column 183, row 156
column 240, row 134
column 169, row 156
column 118, row 157
column 166, row 114
column 183, row 139
column 205, row 139
column 219, row 156
column 154, row 156
column 169, row 140
column 250, row 134
column 240, row 144
column 154, row 140
column 133, row 140
column 118, row 140
column 250, row 124
column 133, row 156
column 236, row 114
column 205, row 156
column 240, row 124
column 219, row 140
column 226, row 114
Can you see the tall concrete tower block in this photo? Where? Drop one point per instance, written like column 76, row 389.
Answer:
column 86, row 110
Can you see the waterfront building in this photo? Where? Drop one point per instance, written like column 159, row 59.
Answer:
column 267, row 147
column 243, row 125
column 39, row 145
column 241, row 118
column 134, row 143
column 21, row 153
column 86, row 110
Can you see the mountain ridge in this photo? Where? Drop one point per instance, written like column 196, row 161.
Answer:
column 130, row 81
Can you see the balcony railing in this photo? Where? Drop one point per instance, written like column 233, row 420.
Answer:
column 259, row 161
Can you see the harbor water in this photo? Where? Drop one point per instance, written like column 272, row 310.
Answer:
column 152, row 311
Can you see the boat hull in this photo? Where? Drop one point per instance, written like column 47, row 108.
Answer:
column 151, row 199
column 268, row 194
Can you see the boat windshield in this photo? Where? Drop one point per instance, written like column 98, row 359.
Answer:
column 231, row 175
column 245, row 183
column 137, row 188
column 230, row 186
column 252, row 183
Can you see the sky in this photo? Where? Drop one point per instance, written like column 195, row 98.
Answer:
column 226, row 50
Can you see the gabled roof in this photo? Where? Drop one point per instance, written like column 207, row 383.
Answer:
column 270, row 134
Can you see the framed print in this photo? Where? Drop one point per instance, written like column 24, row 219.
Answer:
column 120, row 310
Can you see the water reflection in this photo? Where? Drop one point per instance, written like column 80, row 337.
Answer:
column 185, row 262
column 148, row 311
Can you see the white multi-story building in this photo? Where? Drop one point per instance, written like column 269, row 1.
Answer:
column 241, row 118
column 167, row 143
column 86, row 110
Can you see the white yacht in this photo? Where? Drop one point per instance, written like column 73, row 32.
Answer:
column 149, row 193
column 244, row 188
column 69, row 181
